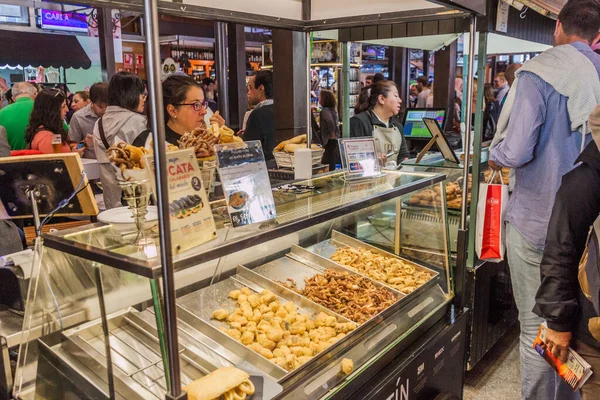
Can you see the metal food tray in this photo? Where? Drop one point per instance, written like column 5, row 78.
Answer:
column 325, row 249
column 196, row 310
column 301, row 264
column 138, row 369
column 137, row 362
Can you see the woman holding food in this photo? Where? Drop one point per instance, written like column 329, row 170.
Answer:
column 122, row 123
column 46, row 130
column 185, row 107
column 380, row 121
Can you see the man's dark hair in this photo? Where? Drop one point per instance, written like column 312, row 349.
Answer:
column 264, row 78
column 424, row 81
column 175, row 89
column 99, row 93
column 327, row 98
column 581, row 18
column 124, row 90
column 378, row 77
column 207, row 81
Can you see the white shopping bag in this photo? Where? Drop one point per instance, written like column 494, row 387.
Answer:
column 491, row 208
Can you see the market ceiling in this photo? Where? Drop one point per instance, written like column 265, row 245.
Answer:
column 42, row 49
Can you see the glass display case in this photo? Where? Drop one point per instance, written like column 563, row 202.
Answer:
column 309, row 304
column 435, row 162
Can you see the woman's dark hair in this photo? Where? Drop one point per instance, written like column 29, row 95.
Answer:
column 46, row 114
column 488, row 92
column 85, row 96
column 124, row 90
column 363, row 101
column 378, row 77
column 327, row 98
column 175, row 89
column 380, row 88
column 8, row 96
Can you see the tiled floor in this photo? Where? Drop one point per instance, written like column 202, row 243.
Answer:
column 496, row 376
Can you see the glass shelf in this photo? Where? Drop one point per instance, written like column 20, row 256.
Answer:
column 333, row 197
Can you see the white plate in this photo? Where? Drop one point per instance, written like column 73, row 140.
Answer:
column 122, row 220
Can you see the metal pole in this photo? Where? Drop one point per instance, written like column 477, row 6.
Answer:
column 346, row 89
column 221, row 64
column 105, row 332
column 308, row 87
column 162, row 195
column 468, row 107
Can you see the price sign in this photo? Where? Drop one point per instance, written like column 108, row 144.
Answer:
column 128, row 60
column 246, row 184
column 360, row 157
column 192, row 222
column 139, row 61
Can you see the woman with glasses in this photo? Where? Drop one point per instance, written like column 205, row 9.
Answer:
column 184, row 106
column 46, row 130
column 122, row 122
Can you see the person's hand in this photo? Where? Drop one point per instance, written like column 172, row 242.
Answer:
column 217, row 119
column 240, row 132
column 79, row 151
column 558, row 343
column 89, row 141
column 494, row 166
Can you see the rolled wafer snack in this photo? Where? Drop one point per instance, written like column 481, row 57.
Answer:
column 227, row 383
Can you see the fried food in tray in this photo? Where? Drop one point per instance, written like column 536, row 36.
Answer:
column 433, row 197
column 352, row 296
column 279, row 332
column 125, row 156
column 226, row 383
column 394, row 272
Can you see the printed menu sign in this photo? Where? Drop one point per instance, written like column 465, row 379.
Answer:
column 192, row 222
column 360, row 157
column 246, row 184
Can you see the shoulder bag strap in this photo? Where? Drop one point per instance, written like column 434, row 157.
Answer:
column 102, row 135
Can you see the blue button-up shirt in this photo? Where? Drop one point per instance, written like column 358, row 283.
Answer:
column 541, row 148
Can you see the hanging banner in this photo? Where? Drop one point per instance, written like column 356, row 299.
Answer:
column 139, row 61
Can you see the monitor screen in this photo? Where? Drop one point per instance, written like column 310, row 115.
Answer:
column 414, row 127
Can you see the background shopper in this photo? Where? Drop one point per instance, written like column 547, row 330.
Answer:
column 559, row 299
column 542, row 132
column 329, row 130
column 261, row 122
column 46, row 123
column 80, row 100
column 122, row 122
column 15, row 117
column 84, row 120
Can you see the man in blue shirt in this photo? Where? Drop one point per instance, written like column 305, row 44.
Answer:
column 541, row 145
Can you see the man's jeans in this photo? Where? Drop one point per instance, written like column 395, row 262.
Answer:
column 538, row 380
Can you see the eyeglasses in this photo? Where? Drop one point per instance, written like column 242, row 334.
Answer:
column 197, row 105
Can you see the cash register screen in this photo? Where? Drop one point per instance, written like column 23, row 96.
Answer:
column 415, row 128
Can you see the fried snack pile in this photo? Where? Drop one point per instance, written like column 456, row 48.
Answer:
column 224, row 134
column 291, row 145
column 433, row 197
column 278, row 331
column 125, row 156
column 201, row 140
column 228, row 383
column 353, row 296
column 392, row 271
column 504, row 174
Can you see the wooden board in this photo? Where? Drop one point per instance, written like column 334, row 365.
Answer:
column 74, row 168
